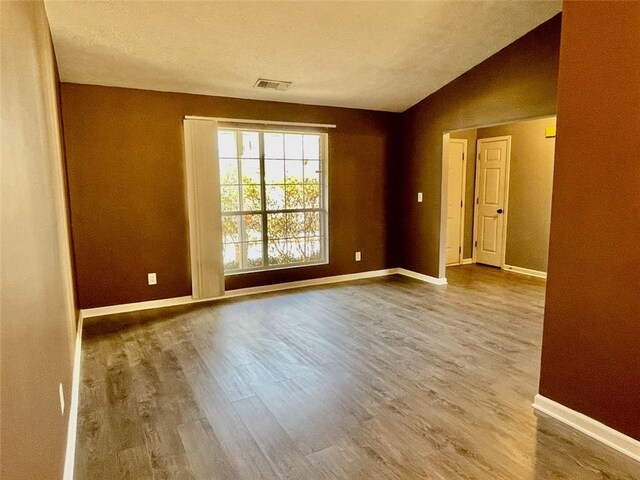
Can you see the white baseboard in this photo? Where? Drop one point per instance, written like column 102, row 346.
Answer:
column 587, row 425
column 308, row 283
column 420, row 276
column 466, row 261
column 525, row 271
column 70, row 455
column 137, row 306
column 171, row 302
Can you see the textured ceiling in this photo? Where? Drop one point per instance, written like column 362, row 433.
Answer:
column 373, row 55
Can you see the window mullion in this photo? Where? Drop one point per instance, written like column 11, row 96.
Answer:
column 324, row 197
column 243, row 232
column 263, row 202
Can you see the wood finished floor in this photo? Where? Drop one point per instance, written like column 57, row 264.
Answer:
column 387, row 378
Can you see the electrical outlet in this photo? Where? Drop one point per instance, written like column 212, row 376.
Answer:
column 358, row 256
column 419, row 197
column 61, row 393
column 152, row 279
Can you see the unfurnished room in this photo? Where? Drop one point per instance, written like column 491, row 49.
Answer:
column 320, row 240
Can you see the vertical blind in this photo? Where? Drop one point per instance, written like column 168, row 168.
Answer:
column 203, row 200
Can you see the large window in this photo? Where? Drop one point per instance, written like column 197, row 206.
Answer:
column 273, row 193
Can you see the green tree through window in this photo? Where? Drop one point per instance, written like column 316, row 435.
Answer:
column 272, row 180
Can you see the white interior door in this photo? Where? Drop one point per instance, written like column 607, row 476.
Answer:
column 491, row 184
column 455, row 195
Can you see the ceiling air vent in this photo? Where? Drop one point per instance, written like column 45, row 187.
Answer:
column 272, row 84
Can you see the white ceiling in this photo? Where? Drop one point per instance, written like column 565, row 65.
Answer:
column 374, row 55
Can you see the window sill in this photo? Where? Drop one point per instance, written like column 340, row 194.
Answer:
column 278, row 268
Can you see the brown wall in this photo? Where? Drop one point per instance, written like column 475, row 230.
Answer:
column 37, row 328
column 471, row 136
column 530, row 186
column 590, row 355
column 519, row 82
column 127, row 191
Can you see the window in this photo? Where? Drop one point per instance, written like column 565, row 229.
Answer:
column 273, row 199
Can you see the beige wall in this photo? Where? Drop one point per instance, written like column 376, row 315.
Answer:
column 530, row 185
column 471, row 136
column 37, row 308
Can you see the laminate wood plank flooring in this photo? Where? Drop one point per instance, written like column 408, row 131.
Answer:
column 386, row 378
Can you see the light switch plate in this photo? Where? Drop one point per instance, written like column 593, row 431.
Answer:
column 61, row 394
column 152, row 279
column 358, row 256
column 419, row 197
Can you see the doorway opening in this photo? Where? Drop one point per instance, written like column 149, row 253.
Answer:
column 496, row 195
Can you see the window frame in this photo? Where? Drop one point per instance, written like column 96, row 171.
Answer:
column 264, row 212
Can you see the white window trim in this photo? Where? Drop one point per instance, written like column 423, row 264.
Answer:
column 260, row 122
column 270, row 127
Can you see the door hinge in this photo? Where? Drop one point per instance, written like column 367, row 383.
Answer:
column 460, row 203
column 459, row 249
column 463, row 155
column 478, row 201
column 475, row 244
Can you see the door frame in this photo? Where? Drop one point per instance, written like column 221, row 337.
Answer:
column 464, row 186
column 503, row 240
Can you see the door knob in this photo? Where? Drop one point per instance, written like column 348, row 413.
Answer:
column 500, row 210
